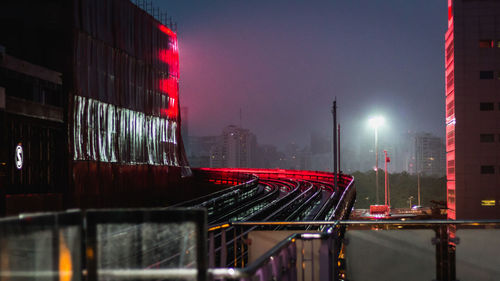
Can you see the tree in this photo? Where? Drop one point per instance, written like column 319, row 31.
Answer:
column 402, row 186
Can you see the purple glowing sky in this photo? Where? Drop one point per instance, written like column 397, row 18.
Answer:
column 283, row 62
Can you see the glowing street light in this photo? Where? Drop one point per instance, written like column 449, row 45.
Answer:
column 376, row 122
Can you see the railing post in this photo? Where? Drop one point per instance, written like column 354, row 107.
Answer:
column 235, row 247
column 442, row 254
column 223, row 248
column 336, row 248
column 327, row 259
column 211, row 250
column 292, row 250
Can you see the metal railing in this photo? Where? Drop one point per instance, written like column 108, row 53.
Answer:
column 434, row 243
column 228, row 242
column 95, row 245
column 104, row 245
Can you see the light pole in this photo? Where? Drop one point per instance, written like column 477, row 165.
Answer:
column 418, row 188
column 376, row 122
column 387, row 160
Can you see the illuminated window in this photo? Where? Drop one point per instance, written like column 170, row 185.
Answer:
column 486, row 43
column 486, row 74
column 450, row 79
column 487, row 138
column 486, row 106
column 449, row 52
column 487, row 169
column 450, row 108
column 488, row 202
column 450, row 137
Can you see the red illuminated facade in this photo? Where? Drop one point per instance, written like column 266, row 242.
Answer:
column 472, row 61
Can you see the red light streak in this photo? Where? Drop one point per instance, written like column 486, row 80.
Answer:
column 273, row 173
column 171, row 58
column 166, row 30
column 172, row 111
column 170, row 86
column 450, row 12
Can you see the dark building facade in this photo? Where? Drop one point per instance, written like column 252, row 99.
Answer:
column 33, row 133
column 105, row 78
column 472, row 54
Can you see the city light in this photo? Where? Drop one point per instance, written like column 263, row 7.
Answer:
column 376, row 121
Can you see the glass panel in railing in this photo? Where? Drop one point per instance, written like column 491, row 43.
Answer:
column 146, row 245
column 390, row 255
column 37, row 248
column 478, row 254
column 26, row 254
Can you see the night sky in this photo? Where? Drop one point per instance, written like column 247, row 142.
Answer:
column 283, row 62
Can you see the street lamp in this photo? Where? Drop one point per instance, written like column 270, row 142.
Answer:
column 376, row 122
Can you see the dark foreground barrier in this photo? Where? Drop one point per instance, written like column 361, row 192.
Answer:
column 41, row 247
column 115, row 244
column 159, row 244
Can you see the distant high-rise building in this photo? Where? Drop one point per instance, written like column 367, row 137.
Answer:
column 217, row 154
column 268, row 156
column 403, row 156
column 238, row 148
column 429, row 154
column 200, row 149
column 292, row 157
column 472, row 52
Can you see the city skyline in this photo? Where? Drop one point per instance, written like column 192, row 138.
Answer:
column 382, row 57
column 412, row 152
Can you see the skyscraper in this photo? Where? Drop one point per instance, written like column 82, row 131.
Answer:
column 472, row 60
column 237, row 149
column 429, row 154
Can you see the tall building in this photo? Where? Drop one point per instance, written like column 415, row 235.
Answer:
column 403, row 158
column 268, row 156
column 238, row 148
column 91, row 91
column 200, row 150
column 472, row 58
column 429, row 155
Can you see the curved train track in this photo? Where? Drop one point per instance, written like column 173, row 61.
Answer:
column 271, row 195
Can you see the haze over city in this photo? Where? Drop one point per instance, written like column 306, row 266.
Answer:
column 283, row 62
column 162, row 139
